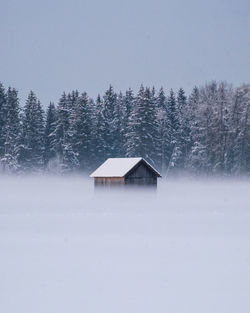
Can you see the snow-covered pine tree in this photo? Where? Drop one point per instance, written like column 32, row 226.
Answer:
column 108, row 113
column 129, row 102
column 247, row 128
column 67, row 159
column 70, row 162
column 32, row 136
column 11, row 133
column 142, row 127
column 221, row 127
column 154, row 128
column 163, row 130
column 81, row 127
column 128, row 107
column 208, row 96
column 119, row 127
column 133, row 135
column 93, row 123
column 50, row 134
column 175, row 152
column 184, row 133
column 99, row 133
column 196, row 160
column 3, row 114
column 239, row 148
column 207, row 127
column 62, row 125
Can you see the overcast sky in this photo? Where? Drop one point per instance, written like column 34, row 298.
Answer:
column 51, row 46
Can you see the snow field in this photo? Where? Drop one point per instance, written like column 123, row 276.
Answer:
column 65, row 248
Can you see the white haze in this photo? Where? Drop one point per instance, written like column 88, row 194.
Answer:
column 67, row 249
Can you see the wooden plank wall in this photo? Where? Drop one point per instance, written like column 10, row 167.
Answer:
column 108, row 181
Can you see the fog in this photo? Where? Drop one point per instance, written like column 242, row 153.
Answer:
column 182, row 248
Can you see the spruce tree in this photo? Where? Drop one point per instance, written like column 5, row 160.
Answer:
column 128, row 107
column 134, row 129
column 239, row 147
column 3, row 115
column 175, row 152
column 196, row 160
column 163, row 132
column 11, row 133
column 62, row 125
column 221, row 126
column 119, row 127
column 204, row 151
column 141, row 138
column 81, row 132
column 184, row 133
column 108, row 113
column 32, row 137
column 68, row 160
column 99, row 133
column 50, row 140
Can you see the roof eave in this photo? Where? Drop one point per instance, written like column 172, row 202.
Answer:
column 107, row 176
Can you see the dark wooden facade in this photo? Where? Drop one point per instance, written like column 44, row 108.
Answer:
column 142, row 174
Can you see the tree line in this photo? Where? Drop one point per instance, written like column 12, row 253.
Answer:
column 207, row 132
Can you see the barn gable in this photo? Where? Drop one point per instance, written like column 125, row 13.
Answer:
column 141, row 174
column 142, row 169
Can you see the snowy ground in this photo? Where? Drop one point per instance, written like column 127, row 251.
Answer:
column 66, row 249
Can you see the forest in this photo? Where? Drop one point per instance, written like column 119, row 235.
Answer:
column 204, row 133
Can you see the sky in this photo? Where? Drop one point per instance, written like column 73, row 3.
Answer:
column 54, row 46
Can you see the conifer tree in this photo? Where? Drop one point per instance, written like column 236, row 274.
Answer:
column 68, row 158
column 163, row 130
column 11, row 133
column 32, row 137
column 221, row 126
column 174, row 133
column 3, row 115
column 134, row 130
column 142, row 133
column 184, row 133
column 50, row 134
column 62, row 125
column 128, row 107
column 108, row 113
column 196, row 160
column 99, row 133
column 81, row 131
column 119, row 127
column 239, row 148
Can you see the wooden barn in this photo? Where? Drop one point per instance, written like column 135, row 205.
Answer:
column 125, row 171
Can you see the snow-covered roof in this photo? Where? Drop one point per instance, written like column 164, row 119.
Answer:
column 117, row 167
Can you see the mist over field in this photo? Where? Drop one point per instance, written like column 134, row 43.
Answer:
column 67, row 248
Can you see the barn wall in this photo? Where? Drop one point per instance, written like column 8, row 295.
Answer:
column 109, row 181
column 141, row 181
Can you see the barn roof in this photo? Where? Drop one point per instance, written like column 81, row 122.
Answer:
column 119, row 167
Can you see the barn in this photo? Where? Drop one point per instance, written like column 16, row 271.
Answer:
column 125, row 171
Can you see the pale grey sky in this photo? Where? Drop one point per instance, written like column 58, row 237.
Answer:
column 54, row 46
